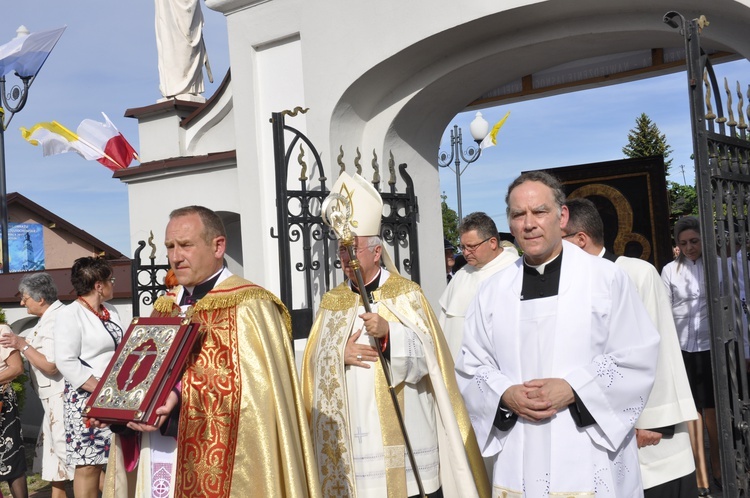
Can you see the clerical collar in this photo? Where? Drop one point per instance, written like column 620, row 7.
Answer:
column 192, row 294
column 536, row 284
column 369, row 287
column 606, row 254
column 542, row 267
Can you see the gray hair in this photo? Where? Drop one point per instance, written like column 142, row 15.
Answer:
column 39, row 286
column 373, row 241
column 541, row 177
column 212, row 225
column 481, row 222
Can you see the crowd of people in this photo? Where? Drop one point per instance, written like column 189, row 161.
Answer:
column 553, row 368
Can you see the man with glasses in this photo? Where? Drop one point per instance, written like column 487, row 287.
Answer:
column 485, row 256
column 558, row 360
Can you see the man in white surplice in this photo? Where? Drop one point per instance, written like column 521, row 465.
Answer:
column 485, row 256
column 667, row 464
column 558, row 360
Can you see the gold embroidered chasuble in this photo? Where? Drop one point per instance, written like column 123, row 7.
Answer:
column 325, row 394
column 242, row 428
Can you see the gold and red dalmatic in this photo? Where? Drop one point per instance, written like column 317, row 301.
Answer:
column 242, row 430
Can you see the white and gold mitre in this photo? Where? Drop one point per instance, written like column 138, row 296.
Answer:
column 365, row 204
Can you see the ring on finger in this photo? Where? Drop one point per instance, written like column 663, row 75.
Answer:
column 359, row 357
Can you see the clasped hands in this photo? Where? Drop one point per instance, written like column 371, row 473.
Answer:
column 538, row 399
column 359, row 354
column 645, row 437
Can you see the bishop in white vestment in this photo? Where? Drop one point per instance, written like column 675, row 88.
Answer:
column 356, row 434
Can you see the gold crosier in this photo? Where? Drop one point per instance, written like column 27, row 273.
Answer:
column 336, row 212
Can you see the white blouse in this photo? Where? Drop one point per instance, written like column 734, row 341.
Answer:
column 687, row 290
column 83, row 346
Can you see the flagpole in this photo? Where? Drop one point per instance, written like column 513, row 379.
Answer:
column 20, row 96
column 3, row 194
column 13, row 102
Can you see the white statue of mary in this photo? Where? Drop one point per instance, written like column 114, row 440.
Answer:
column 181, row 49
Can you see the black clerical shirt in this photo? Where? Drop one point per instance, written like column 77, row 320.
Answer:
column 537, row 285
column 199, row 291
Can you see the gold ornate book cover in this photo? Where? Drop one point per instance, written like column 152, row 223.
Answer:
column 145, row 367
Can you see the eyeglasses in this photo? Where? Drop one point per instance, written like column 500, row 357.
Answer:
column 356, row 250
column 472, row 247
column 25, row 298
column 570, row 235
column 112, row 280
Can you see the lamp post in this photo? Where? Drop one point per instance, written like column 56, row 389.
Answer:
column 479, row 129
column 11, row 102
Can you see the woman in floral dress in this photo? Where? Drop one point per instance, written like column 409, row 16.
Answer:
column 86, row 335
column 12, row 453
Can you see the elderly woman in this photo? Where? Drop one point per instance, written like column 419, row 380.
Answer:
column 39, row 295
column 686, row 285
column 12, row 453
column 86, row 335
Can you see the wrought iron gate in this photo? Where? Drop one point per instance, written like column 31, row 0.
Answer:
column 147, row 280
column 306, row 245
column 722, row 173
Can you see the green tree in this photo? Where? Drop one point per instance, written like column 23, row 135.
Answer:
column 683, row 200
column 647, row 140
column 450, row 221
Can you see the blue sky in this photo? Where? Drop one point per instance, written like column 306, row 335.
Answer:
column 106, row 62
column 577, row 128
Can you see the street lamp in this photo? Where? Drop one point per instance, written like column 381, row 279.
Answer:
column 479, row 129
column 25, row 56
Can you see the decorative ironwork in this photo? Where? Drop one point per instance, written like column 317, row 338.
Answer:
column 722, row 152
column 147, row 280
column 306, row 244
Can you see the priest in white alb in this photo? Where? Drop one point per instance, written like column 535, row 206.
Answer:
column 485, row 255
column 558, row 360
column 664, row 451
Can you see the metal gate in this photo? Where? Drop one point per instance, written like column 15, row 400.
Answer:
column 147, row 281
column 307, row 248
column 722, row 174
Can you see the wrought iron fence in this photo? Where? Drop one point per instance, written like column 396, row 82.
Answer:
column 147, row 280
column 306, row 245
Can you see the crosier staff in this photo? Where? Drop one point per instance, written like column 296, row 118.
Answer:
column 339, row 222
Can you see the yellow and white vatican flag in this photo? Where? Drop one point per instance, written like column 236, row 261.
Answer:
column 491, row 139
